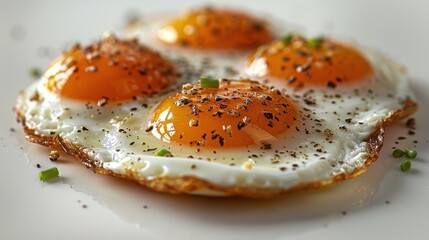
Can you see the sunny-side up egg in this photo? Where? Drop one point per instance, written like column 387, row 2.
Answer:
column 208, row 41
column 321, row 123
column 87, row 90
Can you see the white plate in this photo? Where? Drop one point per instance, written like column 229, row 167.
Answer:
column 381, row 203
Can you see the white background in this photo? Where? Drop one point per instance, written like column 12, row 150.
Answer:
column 382, row 203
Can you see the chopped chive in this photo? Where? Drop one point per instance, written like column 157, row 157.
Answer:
column 286, row 40
column 209, row 82
column 163, row 153
column 35, row 72
column 48, row 174
column 405, row 165
column 398, row 153
column 410, row 153
column 315, row 42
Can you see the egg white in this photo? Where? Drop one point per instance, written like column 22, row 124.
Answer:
column 115, row 135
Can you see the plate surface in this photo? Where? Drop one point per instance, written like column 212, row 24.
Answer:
column 383, row 202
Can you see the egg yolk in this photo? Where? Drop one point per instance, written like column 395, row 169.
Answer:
column 299, row 61
column 236, row 114
column 210, row 28
column 109, row 69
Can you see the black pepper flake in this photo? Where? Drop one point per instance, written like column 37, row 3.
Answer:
column 132, row 143
column 204, row 99
column 268, row 115
column 113, row 63
column 183, row 101
column 214, row 136
column 265, row 146
column 142, row 71
column 257, row 26
column 282, row 169
column 193, row 123
column 331, row 84
column 221, row 141
column 133, row 109
column 411, row 123
column 223, row 106
column 219, row 98
column 343, row 128
column 35, row 73
column 291, row 79
column 195, row 110
column 150, row 128
column 309, row 101
column 302, row 68
column 247, row 101
column 217, row 114
column 240, row 125
column 38, row 166
column 348, row 120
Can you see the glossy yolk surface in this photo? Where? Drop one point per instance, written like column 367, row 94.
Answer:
column 298, row 63
column 237, row 114
column 111, row 68
column 210, row 28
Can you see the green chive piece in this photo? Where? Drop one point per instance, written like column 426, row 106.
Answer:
column 405, row 165
column 398, row 153
column 315, row 42
column 163, row 153
column 286, row 40
column 410, row 153
column 35, row 72
column 48, row 174
column 209, row 82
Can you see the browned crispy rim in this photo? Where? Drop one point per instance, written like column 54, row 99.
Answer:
column 189, row 184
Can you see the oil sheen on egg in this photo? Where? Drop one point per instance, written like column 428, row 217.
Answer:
column 295, row 138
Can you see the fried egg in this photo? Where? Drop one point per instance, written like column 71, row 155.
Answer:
column 215, row 28
column 282, row 117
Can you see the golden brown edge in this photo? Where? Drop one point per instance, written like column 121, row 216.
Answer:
column 189, row 184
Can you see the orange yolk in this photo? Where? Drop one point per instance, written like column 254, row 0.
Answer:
column 237, row 114
column 111, row 68
column 298, row 62
column 210, row 28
